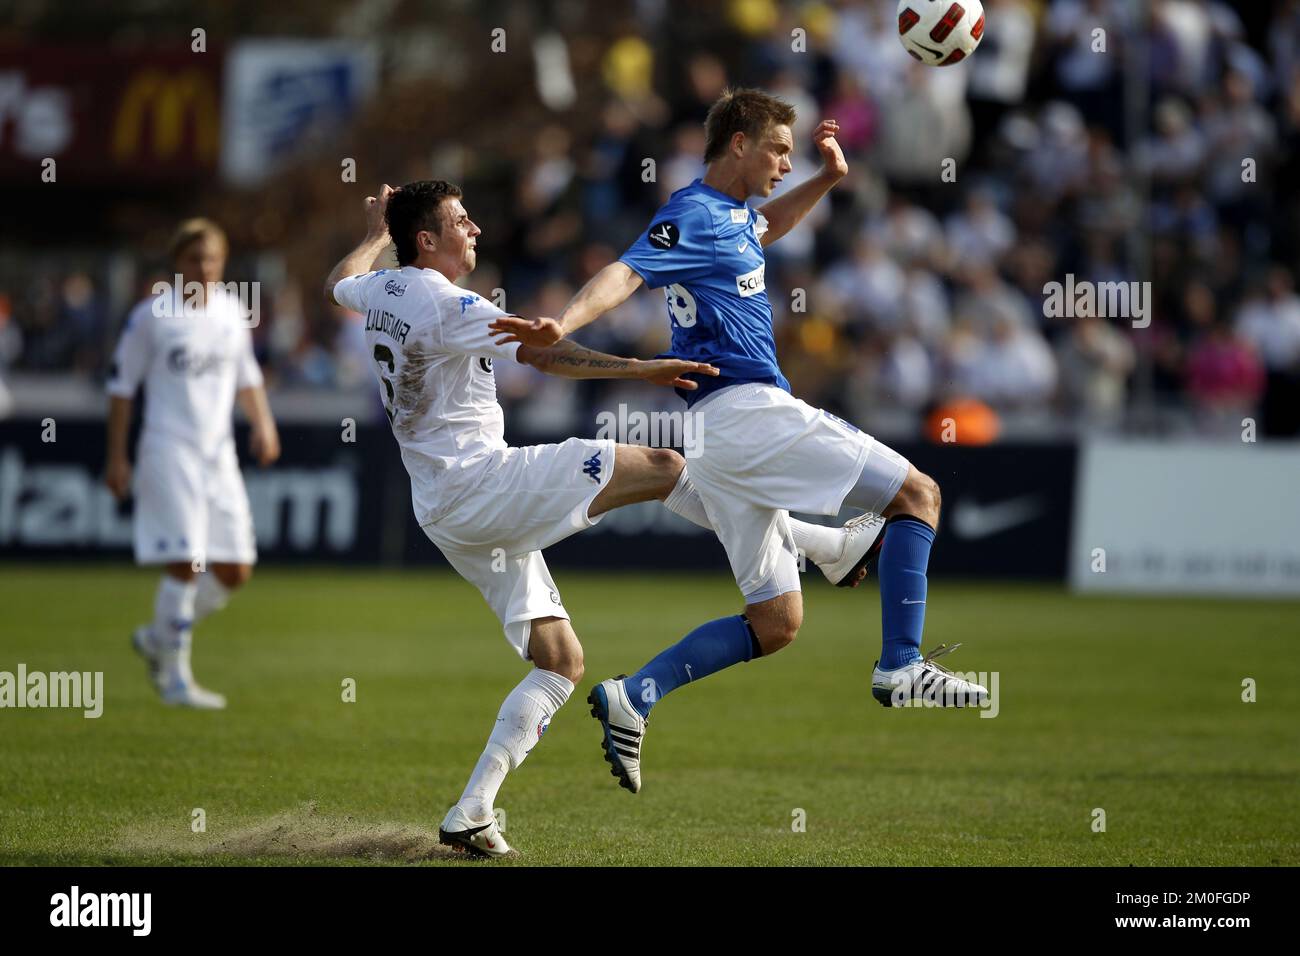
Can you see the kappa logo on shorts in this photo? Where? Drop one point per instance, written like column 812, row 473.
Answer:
column 591, row 467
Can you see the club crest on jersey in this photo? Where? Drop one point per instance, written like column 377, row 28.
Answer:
column 751, row 283
column 663, row 235
column 393, row 287
column 591, row 467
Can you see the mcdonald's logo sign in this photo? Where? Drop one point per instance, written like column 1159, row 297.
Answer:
column 155, row 111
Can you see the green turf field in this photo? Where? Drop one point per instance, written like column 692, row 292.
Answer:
column 1132, row 706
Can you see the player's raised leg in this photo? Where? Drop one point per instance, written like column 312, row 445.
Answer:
column 522, row 720
column 842, row 554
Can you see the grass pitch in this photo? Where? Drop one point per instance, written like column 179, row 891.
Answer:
column 1133, row 706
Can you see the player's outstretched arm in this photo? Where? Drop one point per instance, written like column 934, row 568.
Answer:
column 117, row 470
column 362, row 259
column 785, row 212
column 570, row 360
column 607, row 289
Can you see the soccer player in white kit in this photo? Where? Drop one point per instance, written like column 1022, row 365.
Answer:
column 491, row 508
column 192, row 351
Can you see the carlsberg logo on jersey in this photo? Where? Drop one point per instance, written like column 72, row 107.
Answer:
column 181, row 298
column 751, row 283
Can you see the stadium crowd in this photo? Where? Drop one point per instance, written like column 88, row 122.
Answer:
column 1161, row 150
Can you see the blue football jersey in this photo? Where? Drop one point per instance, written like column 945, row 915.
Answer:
column 702, row 249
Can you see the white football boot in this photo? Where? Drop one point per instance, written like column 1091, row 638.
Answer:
column 624, row 730
column 863, row 538
column 925, row 681
column 477, row 839
column 177, row 686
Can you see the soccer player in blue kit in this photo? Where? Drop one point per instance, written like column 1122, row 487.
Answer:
column 764, row 452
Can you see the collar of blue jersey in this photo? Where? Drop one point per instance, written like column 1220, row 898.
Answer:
column 701, row 184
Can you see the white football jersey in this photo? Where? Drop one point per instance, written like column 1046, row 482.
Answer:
column 433, row 355
column 191, row 367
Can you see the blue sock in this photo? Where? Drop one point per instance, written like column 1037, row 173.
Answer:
column 903, row 559
column 707, row 649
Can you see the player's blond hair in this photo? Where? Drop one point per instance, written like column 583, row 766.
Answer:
column 742, row 111
column 192, row 230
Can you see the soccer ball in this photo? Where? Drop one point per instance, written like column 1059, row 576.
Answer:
column 940, row 32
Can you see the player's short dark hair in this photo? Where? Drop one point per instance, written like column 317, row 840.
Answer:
column 416, row 208
column 191, row 231
column 742, row 111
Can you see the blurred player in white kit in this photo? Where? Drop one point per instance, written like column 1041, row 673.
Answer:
column 193, row 353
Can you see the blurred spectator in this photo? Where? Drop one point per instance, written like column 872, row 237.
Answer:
column 1270, row 322
column 1225, row 379
column 1096, row 361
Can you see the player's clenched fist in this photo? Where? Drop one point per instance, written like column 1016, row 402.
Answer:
column 829, row 147
column 376, row 226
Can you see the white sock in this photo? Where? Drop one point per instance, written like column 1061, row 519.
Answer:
column 211, row 596
column 520, row 724
column 685, row 501
column 173, row 616
column 819, row 543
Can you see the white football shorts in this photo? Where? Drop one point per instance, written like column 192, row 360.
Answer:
column 525, row 499
column 190, row 508
column 762, row 453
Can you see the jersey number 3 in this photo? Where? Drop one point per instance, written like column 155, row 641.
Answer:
column 384, row 356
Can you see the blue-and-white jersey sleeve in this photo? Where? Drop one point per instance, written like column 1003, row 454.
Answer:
column 679, row 246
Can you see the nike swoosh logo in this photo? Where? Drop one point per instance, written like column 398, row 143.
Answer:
column 743, row 246
column 972, row 520
column 937, row 54
column 906, row 601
